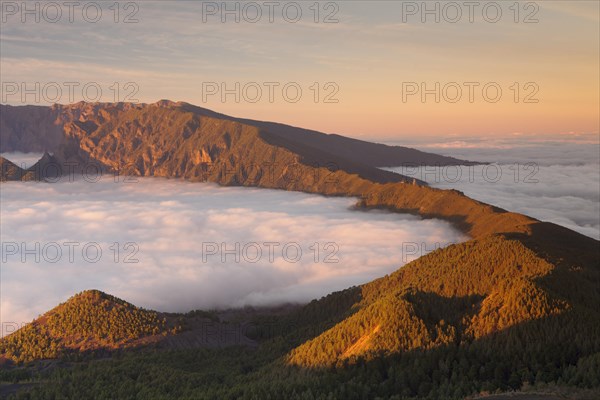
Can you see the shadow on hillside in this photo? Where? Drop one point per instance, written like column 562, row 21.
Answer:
column 458, row 222
column 576, row 280
column 538, row 351
column 544, row 350
column 311, row 320
column 558, row 348
column 432, row 309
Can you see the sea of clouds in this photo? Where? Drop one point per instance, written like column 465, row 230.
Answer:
column 161, row 244
column 556, row 181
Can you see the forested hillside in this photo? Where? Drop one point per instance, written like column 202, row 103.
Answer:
column 89, row 321
column 479, row 316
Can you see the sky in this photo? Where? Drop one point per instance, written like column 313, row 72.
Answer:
column 379, row 70
column 160, row 243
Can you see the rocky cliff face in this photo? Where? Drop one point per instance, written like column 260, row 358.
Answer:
column 156, row 132
column 170, row 140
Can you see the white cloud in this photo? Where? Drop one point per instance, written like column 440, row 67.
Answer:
column 170, row 219
column 556, row 181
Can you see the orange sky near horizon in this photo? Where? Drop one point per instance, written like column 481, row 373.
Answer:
column 369, row 67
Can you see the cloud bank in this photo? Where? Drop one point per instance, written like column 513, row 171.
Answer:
column 556, row 182
column 176, row 231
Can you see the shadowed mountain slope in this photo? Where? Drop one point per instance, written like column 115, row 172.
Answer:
column 462, row 294
column 373, row 154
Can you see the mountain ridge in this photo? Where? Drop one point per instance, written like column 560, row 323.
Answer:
column 373, row 154
column 166, row 139
column 520, row 295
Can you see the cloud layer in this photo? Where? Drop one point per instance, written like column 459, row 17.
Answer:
column 169, row 220
column 556, row 182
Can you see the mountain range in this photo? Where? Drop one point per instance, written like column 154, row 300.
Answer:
column 515, row 306
column 181, row 140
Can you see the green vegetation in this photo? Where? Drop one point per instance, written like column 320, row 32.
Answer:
column 454, row 295
column 483, row 316
column 90, row 320
column 446, row 372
